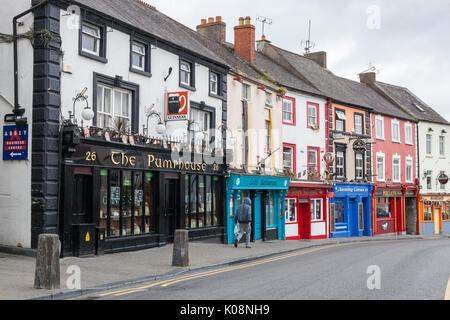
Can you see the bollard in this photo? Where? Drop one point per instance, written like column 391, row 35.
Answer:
column 47, row 275
column 180, row 256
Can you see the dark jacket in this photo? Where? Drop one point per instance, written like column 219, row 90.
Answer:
column 244, row 212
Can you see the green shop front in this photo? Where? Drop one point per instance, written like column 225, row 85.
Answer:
column 267, row 194
column 121, row 197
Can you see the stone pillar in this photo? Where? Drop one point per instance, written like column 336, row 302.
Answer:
column 47, row 274
column 180, row 256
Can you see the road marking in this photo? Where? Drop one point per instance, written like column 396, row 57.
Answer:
column 169, row 282
column 447, row 292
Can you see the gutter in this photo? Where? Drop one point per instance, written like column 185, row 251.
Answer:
column 18, row 111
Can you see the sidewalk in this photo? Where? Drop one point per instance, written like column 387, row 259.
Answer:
column 116, row 270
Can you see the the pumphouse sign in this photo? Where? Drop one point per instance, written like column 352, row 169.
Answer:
column 15, row 143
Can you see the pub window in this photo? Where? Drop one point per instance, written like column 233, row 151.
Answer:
column 138, row 54
column 246, row 92
column 409, row 170
column 428, row 144
column 288, row 158
column 290, row 209
column 313, row 115
column 127, row 197
column 383, row 208
column 380, row 167
column 268, row 148
column 395, row 131
column 113, row 107
column 115, row 203
column 408, row 133
column 316, row 210
column 446, row 212
column 130, row 202
column 313, row 161
column 138, row 203
column 396, row 169
column 442, row 146
column 340, row 164
column 268, row 99
column 289, row 111
column 379, row 127
column 429, row 184
column 427, row 213
column 213, row 83
column 201, row 202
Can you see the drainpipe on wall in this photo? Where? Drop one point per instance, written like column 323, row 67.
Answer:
column 19, row 112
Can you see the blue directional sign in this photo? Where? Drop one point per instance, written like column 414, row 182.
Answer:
column 15, row 143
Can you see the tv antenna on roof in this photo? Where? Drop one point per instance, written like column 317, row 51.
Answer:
column 371, row 68
column 264, row 21
column 308, row 44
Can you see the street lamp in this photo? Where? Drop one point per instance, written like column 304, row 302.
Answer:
column 87, row 114
column 160, row 127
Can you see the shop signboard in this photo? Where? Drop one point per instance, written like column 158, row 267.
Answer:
column 177, row 106
column 15, row 143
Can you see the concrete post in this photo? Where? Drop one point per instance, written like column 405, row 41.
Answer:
column 180, row 256
column 47, row 275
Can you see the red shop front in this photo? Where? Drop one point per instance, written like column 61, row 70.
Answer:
column 394, row 211
column 306, row 211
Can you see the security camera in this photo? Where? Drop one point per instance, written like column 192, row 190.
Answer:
column 21, row 122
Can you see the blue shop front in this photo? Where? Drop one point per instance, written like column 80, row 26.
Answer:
column 267, row 194
column 350, row 210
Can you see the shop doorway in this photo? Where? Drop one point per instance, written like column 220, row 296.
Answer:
column 171, row 205
column 436, row 215
column 82, row 196
column 411, row 215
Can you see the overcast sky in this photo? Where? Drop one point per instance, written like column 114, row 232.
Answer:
column 408, row 41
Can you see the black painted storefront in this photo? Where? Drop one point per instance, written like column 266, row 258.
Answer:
column 138, row 196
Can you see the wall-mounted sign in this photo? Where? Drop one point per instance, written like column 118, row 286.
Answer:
column 388, row 193
column 328, row 158
column 443, row 178
column 177, row 106
column 385, row 226
column 15, row 143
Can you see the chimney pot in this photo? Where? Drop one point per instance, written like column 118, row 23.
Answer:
column 203, row 21
column 241, row 21
column 219, row 19
column 247, row 20
column 210, row 20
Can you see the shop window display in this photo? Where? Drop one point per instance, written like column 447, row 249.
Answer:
column 428, row 213
column 384, row 208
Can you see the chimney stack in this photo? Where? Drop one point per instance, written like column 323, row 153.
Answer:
column 213, row 29
column 244, row 40
column 319, row 57
column 367, row 77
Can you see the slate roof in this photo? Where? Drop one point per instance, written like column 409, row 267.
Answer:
column 283, row 76
column 146, row 18
column 337, row 88
column 407, row 100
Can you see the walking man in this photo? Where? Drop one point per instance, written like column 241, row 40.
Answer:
column 244, row 217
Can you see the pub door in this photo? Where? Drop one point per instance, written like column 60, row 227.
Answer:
column 304, row 223
column 82, row 196
column 171, row 205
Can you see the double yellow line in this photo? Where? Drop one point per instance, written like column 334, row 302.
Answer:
column 170, row 282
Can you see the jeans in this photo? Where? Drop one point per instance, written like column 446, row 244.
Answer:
column 244, row 229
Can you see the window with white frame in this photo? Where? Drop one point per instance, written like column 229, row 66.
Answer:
column 396, row 168
column 316, row 210
column 290, row 209
column 340, row 164
column 359, row 166
column 313, row 161
column 138, row 54
column 395, row 131
column 288, row 111
column 428, row 144
column 246, row 92
column 313, row 115
column 442, row 146
column 288, row 158
column 441, row 185
column 113, row 107
column 409, row 169
column 214, row 83
column 268, row 138
column 381, row 171
column 379, row 127
column 408, row 133
column 186, row 73
column 269, row 99
column 359, row 123
column 428, row 176
column 340, row 120
column 91, row 37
